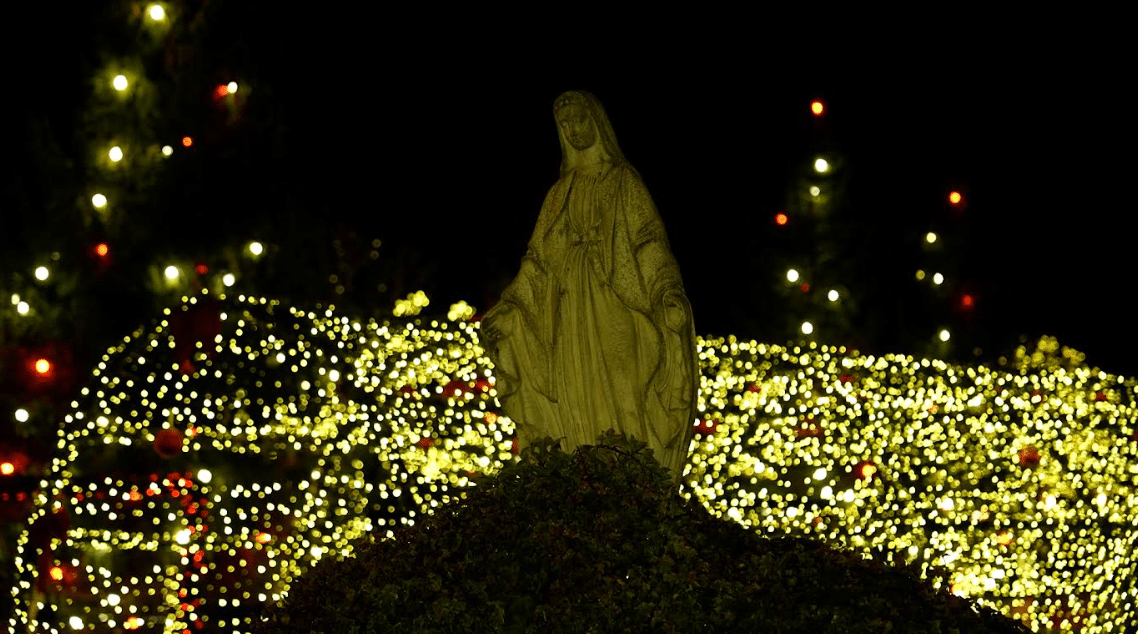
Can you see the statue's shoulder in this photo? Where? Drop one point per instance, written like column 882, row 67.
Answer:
column 629, row 182
column 626, row 177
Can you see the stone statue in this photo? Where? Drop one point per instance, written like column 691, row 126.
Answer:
column 595, row 332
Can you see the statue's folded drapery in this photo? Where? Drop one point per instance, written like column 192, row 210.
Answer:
column 595, row 331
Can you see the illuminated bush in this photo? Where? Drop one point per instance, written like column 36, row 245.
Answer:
column 222, row 449
column 1019, row 486
column 598, row 541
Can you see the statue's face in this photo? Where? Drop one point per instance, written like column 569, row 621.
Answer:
column 577, row 126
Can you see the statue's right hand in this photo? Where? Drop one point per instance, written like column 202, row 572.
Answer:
column 491, row 323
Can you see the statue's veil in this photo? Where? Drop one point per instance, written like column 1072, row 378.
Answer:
column 606, row 136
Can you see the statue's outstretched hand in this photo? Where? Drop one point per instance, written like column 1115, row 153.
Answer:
column 491, row 323
column 675, row 310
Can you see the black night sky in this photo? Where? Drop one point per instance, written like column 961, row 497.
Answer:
column 445, row 146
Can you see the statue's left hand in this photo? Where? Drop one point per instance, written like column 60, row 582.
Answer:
column 675, row 310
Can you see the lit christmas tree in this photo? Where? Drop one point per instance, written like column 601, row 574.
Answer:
column 815, row 228
column 153, row 195
column 833, row 284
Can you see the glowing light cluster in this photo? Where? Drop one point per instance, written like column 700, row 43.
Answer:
column 923, row 464
column 289, row 433
column 413, row 304
column 380, row 422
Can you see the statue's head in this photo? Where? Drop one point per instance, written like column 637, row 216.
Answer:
column 581, row 125
column 576, row 123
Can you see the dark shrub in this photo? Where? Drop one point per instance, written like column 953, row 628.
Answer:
column 599, row 541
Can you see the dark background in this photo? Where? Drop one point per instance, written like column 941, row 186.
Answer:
column 443, row 146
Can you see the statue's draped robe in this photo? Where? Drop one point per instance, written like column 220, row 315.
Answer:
column 586, row 347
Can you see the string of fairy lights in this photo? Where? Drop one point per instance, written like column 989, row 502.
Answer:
column 290, row 433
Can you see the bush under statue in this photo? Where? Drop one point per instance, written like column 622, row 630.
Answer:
column 598, row 540
column 595, row 334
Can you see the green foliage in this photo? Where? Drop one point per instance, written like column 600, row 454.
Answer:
column 598, row 541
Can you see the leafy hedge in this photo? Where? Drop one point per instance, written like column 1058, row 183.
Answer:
column 599, row 541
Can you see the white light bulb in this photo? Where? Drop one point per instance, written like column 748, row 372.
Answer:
column 228, row 279
column 792, row 275
column 156, row 12
column 814, row 191
column 115, row 154
column 807, row 328
column 832, row 295
column 22, row 415
column 172, row 272
column 938, row 279
column 821, row 166
column 930, row 237
column 167, row 150
column 119, row 82
column 232, row 87
column 99, row 201
column 204, row 476
column 944, row 335
column 23, row 308
column 256, row 248
column 42, row 273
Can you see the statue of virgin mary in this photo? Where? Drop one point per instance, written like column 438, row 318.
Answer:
column 595, row 332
